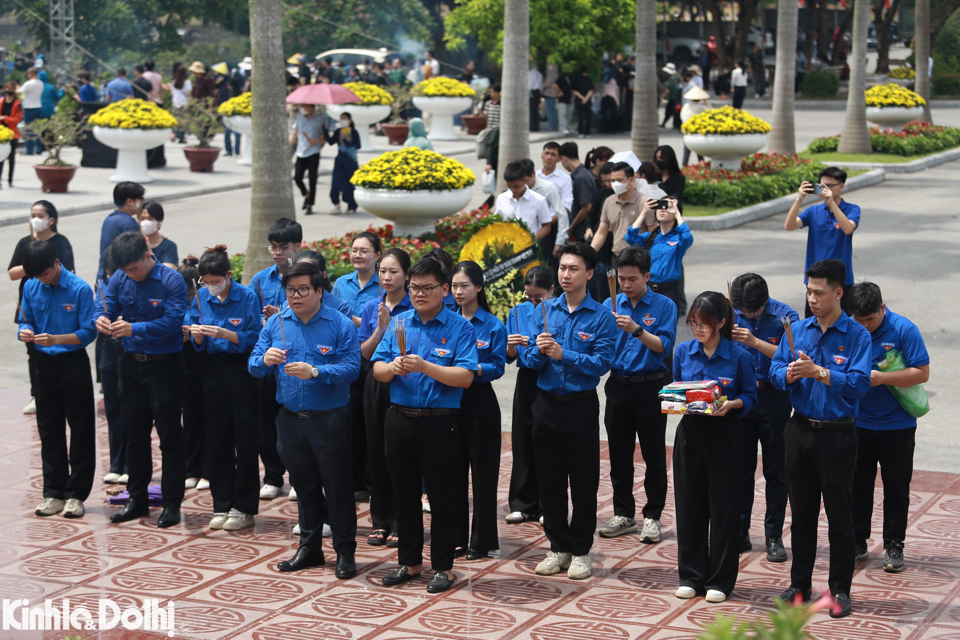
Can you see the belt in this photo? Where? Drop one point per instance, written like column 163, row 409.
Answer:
column 411, row 412
column 569, row 397
column 645, row 377
column 841, row 423
column 149, row 357
column 304, row 414
column 763, row 384
column 657, row 286
column 224, row 355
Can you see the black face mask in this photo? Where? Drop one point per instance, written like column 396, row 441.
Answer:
column 660, row 164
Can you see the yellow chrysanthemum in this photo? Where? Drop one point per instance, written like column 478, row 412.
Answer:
column 369, row 94
column 725, row 121
column 902, row 73
column 133, row 114
column 892, row 95
column 413, row 169
column 242, row 105
column 6, row 135
column 443, row 87
column 502, row 237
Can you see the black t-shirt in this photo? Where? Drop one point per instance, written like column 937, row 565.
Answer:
column 144, row 84
column 566, row 89
column 674, row 186
column 584, row 191
column 64, row 250
column 166, row 252
column 583, row 85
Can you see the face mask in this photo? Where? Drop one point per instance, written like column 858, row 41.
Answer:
column 620, row 188
column 660, row 164
column 344, row 123
column 218, row 289
column 149, row 227
column 39, row 224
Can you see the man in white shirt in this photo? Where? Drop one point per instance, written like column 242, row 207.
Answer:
column 535, row 85
column 550, row 157
column 431, row 60
column 156, row 80
column 32, row 90
column 519, row 201
column 544, row 188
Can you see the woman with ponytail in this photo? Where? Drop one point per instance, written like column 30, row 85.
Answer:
column 667, row 246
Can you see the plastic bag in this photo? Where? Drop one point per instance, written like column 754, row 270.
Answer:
column 490, row 182
column 913, row 399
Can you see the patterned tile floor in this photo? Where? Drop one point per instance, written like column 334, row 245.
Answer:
column 225, row 585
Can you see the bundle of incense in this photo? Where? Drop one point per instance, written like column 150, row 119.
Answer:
column 729, row 293
column 103, row 299
column 200, row 310
column 20, row 310
column 612, row 281
column 282, row 337
column 260, row 293
column 379, row 283
column 788, row 330
column 400, row 331
column 546, row 327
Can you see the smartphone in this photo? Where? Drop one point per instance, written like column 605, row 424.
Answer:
column 663, row 204
column 818, row 189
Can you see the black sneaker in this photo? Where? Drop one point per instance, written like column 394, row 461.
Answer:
column 862, row 552
column 893, row 557
column 775, row 550
column 745, row 544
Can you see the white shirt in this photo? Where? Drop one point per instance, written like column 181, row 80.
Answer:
column 434, row 66
column 180, row 97
column 562, row 182
column 534, row 80
column 548, row 191
column 32, row 90
column 738, row 78
column 532, row 208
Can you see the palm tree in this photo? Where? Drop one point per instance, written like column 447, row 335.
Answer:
column 782, row 138
column 271, row 192
column 922, row 29
column 515, row 109
column 855, row 137
column 645, row 133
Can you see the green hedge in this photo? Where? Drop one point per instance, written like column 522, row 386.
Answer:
column 820, row 84
column 897, row 145
column 751, row 189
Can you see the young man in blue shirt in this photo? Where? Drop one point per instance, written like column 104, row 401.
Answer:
column 886, row 434
column 573, row 349
column 145, row 306
column 57, row 317
column 825, row 380
column 313, row 360
column 127, row 198
column 648, row 330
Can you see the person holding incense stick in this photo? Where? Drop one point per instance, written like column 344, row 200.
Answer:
column 524, row 495
column 363, row 283
column 110, row 351
column 478, row 430
column 575, row 345
column 667, row 245
column 648, row 329
column 824, row 365
column 56, row 315
column 428, row 357
column 229, row 327
column 313, row 353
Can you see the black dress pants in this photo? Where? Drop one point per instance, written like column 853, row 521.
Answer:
column 376, row 399
column 739, row 95
column 764, row 424
column 194, row 438
column 478, row 454
column 566, row 443
column 893, row 450
column 32, row 367
column 308, row 165
column 65, row 396
column 524, row 493
column 232, row 433
column 821, row 462
column 535, row 110
column 584, row 115
column 707, row 468
column 358, row 430
column 110, row 351
column 273, row 468
column 151, row 393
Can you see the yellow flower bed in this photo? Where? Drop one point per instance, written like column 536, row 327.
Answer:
column 369, row 94
column 892, row 95
column 133, row 114
column 725, row 121
column 441, row 87
column 413, row 169
column 6, row 135
column 239, row 106
column 902, row 73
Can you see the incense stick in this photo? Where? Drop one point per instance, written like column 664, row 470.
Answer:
column 260, row 293
column 200, row 310
column 20, row 310
column 788, row 329
column 379, row 283
column 612, row 281
column 282, row 337
column 400, row 332
column 546, row 327
column 729, row 292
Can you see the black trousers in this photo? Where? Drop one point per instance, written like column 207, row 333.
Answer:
column 674, row 291
column 32, row 368
column 383, row 510
column 194, row 436
column 566, row 444
column 843, row 302
column 670, row 113
column 524, row 493
column 477, row 454
column 739, row 95
column 65, row 396
column 584, row 115
column 764, row 424
column 273, row 468
column 317, row 452
column 535, row 110
column 893, row 450
column 232, row 433
column 633, row 413
column 12, row 158
column 707, row 466
column 151, row 393
column 110, row 351
column 821, row 462
column 417, row 450
column 358, row 430
column 310, row 164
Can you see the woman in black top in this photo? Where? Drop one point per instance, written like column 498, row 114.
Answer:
column 347, row 138
column 673, row 181
column 583, row 99
column 165, row 249
column 598, row 286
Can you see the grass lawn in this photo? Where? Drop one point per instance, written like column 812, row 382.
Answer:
column 862, row 157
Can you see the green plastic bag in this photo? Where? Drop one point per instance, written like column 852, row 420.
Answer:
column 913, row 399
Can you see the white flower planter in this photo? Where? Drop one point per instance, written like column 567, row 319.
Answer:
column 132, row 146
column 441, row 110
column 4, row 151
column 893, row 116
column 363, row 116
column 413, row 212
column 725, row 152
column 243, row 125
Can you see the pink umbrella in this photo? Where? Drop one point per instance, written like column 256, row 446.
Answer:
column 322, row 94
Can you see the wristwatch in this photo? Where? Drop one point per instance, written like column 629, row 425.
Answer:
column 822, row 373
column 314, row 372
column 638, row 332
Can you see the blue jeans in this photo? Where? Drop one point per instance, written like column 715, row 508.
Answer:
column 231, row 141
column 551, row 106
column 33, row 143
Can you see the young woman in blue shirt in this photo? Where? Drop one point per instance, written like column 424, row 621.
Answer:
column 667, row 246
column 361, row 285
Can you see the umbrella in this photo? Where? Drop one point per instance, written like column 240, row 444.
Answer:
column 322, row 94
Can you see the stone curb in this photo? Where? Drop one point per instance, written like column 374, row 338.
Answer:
column 905, row 167
column 833, row 105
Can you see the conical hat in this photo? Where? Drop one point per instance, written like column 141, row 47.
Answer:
column 696, row 93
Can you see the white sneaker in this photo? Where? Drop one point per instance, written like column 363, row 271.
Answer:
column 31, row 407
column 292, row 495
column 425, row 506
column 685, row 593
column 651, row 531
column 50, row 506
column 269, row 492
column 713, row 595
column 580, row 568
column 617, row 526
column 190, row 483
column 541, row 521
column 515, row 517
column 73, row 509
column 112, row 478
column 124, row 478
column 203, row 484
column 553, row 563
column 296, row 529
column 217, row 521
column 237, row 520
column 327, row 531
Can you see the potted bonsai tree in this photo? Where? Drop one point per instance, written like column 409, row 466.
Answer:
column 56, row 132
column 397, row 129
column 199, row 117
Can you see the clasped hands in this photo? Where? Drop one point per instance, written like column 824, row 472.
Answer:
column 549, row 347
column 274, row 356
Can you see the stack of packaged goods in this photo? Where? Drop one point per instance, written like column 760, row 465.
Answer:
column 694, row 397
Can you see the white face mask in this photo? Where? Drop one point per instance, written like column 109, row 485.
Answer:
column 620, row 188
column 40, row 224
column 149, row 227
column 344, row 123
column 216, row 290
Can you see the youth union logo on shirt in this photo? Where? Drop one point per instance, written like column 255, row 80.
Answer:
column 324, row 349
column 482, row 344
column 725, row 381
column 839, row 359
column 68, row 307
column 442, row 352
column 585, row 336
column 773, row 340
column 235, row 321
column 673, row 243
column 155, row 301
column 887, row 345
column 647, row 320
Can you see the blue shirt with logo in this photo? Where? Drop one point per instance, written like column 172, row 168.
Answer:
column 491, row 345
column 240, row 312
column 730, row 365
column 368, row 317
column 348, row 288
column 268, row 285
column 60, row 309
column 666, row 252
column 520, row 322
column 825, row 239
column 657, row 314
column 767, row 328
column 113, row 225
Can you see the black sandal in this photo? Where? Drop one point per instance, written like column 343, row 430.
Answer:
column 393, row 544
column 377, row 538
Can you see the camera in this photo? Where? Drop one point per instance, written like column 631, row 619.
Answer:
column 663, row 204
column 818, row 189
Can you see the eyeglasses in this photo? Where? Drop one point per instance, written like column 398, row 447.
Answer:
column 535, row 300
column 360, row 252
column 830, row 186
column 696, row 326
column 301, row 291
column 275, row 249
column 427, row 290
column 753, row 315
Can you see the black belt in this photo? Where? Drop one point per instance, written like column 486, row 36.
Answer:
column 645, row 377
column 223, row 355
column 763, row 384
column 841, row 423
column 62, row 355
column 149, row 357
column 304, row 414
column 569, row 397
column 657, row 286
column 411, row 412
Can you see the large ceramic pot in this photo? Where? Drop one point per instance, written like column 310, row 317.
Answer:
column 131, row 146
column 725, row 152
column 413, row 212
column 4, row 151
column 396, row 133
column 441, row 110
column 893, row 116
column 244, row 126
column 363, row 116
column 474, row 124
column 201, row 160
column 54, row 179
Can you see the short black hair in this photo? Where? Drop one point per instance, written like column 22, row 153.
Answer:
column 444, row 258
column 529, row 169
column 154, row 208
column 128, row 248
column 149, row 64
column 51, row 211
column 553, row 146
column 38, row 256
column 625, row 167
column 834, row 271
column 127, row 191
column 749, row 292
column 836, row 173
column 864, row 299
column 496, row 88
column 582, row 249
column 570, row 150
column 313, row 257
column 304, row 269
column 370, row 237
column 122, row 72
column 514, row 171
column 634, row 257
column 607, row 168
column 139, row 68
column 430, row 267
column 285, row 230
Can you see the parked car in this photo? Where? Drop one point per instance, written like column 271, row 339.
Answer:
column 360, row 58
column 677, row 48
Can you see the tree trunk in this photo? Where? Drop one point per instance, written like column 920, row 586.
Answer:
column 271, row 192
column 644, row 137
column 748, row 11
column 884, row 22
column 515, row 109
column 922, row 31
column 782, row 137
column 716, row 15
column 845, row 26
column 855, row 137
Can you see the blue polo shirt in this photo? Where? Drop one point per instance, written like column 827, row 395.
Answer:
column 118, row 89
column 368, row 317
column 825, row 239
column 767, row 328
column 666, row 252
column 523, row 314
column 491, row 345
column 588, row 337
column 240, row 312
column 155, row 307
column 844, row 349
column 657, row 314
column 348, row 288
column 879, row 409
column 328, row 342
column 268, row 285
column 88, row 93
column 730, row 365
column 113, row 225
column 60, row 309
column 448, row 340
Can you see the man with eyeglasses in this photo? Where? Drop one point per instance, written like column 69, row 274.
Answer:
column 759, row 327
column 831, row 224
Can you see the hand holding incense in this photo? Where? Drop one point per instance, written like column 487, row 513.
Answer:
column 400, row 332
column 612, row 281
column 282, row 337
column 26, row 321
column 788, row 330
